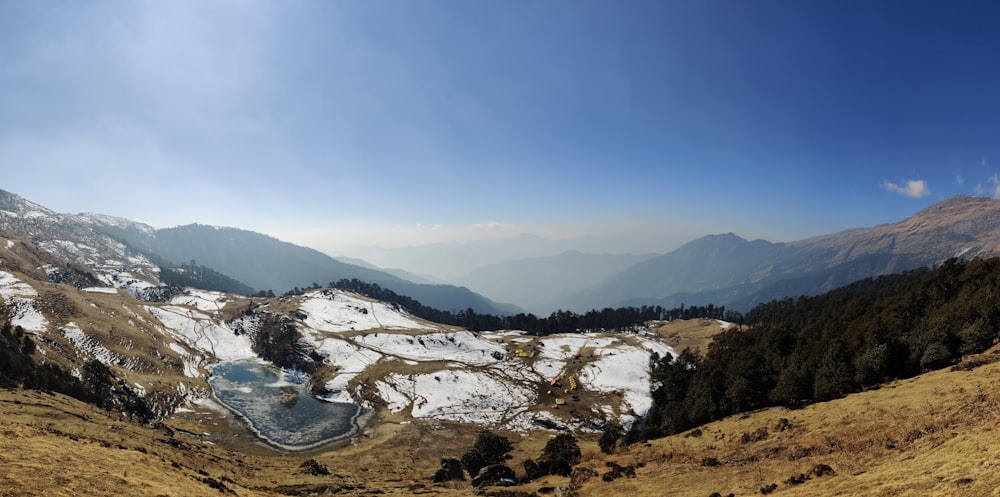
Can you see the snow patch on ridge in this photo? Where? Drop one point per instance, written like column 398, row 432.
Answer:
column 100, row 289
column 201, row 332
column 12, row 286
column 203, row 300
column 335, row 311
column 463, row 347
column 17, row 295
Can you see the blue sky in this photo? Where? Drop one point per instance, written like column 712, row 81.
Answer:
column 401, row 123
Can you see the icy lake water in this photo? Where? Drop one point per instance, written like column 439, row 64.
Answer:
column 278, row 407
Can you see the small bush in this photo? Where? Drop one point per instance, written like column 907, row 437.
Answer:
column 451, row 469
column 609, row 437
column 312, row 467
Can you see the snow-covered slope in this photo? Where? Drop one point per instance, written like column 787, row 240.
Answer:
column 368, row 352
column 19, row 296
column 78, row 239
column 380, row 355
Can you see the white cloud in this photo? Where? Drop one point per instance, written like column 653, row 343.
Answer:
column 994, row 189
column 912, row 188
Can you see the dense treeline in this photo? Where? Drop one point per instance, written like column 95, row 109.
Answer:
column 17, row 369
column 278, row 340
column 797, row 351
column 620, row 319
column 195, row 275
column 98, row 385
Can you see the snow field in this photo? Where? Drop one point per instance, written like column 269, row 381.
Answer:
column 202, row 300
column 199, row 331
column 336, row 311
column 21, row 308
column 190, row 361
column 12, row 286
column 463, row 347
column 349, row 359
column 100, row 289
column 460, row 378
column 455, row 395
column 618, row 371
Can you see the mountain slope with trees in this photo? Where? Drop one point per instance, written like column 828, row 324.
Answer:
column 794, row 352
column 269, row 264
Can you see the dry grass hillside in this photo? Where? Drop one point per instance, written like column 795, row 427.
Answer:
column 695, row 334
column 932, row 435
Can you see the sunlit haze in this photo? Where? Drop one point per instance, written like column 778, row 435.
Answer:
column 635, row 125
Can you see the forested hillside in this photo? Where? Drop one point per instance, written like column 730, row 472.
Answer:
column 616, row 319
column 796, row 351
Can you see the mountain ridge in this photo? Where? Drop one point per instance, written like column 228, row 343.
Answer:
column 93, row 240
column 747, row 273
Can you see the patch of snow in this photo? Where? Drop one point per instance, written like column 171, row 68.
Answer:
column 565, row 347
column 21, row 307
column 462, row 346
column 349, row 359
column 190, row 361
column 200, row 332
column 12, row 286
column 125, row 281
column 35, row 214
column 456, row 395
column 336, row 311
column 627, row 371
column 87, row 345
column 100, row 289
column 202, row 300
column 23, row 313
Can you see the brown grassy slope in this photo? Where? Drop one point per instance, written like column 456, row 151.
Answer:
column 54, row 445
column 932, row 435
column 680, row 334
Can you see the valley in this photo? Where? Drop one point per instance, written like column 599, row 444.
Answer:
column 190, row 390
column 499, row 249
column 931, row 435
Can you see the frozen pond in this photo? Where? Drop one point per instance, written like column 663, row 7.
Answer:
column 278, row 407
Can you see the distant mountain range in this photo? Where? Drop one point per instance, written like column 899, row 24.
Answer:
column 120, row 249
column 542, row 284
column 728, row 270
column 717, row 269
column 454, row 261
column 732, row 271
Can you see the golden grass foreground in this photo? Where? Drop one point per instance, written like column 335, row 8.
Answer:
column 931, row 435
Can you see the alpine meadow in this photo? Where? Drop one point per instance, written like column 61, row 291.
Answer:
column 696, row 248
